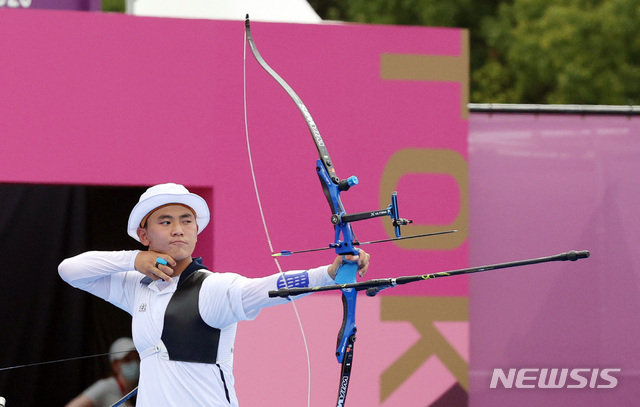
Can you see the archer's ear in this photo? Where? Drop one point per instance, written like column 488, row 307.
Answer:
column 142, row 235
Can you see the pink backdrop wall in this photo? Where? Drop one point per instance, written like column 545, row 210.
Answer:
column 541, row 185
column 107, row 99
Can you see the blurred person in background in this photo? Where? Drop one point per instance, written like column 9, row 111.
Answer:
column 125, row 364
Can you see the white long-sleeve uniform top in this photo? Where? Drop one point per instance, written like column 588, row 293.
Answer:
column 225, row 299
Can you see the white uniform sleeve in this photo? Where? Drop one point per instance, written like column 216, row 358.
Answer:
column 103, row 274
column 228, row 297
column 255, row 293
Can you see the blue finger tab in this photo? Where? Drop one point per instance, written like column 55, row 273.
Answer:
column 160, row 260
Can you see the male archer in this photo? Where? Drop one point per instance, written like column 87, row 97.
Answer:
column 184, row 317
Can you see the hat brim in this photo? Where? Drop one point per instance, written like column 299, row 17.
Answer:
column 143, row 208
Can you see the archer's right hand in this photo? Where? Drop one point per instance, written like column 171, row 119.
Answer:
column 146, row 264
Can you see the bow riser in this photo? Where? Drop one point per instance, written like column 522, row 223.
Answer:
column 347, row 272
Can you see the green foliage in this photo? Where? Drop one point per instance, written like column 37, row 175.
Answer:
column 579, row 51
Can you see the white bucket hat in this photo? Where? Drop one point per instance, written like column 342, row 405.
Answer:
column 166, row 194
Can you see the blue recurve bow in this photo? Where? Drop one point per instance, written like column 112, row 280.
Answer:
column 344, row 241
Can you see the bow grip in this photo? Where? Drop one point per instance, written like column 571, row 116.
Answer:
column 347, row 274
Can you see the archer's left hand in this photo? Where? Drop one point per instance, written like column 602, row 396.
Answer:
column 363, row 263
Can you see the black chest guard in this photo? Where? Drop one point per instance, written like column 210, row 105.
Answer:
column 185, row 334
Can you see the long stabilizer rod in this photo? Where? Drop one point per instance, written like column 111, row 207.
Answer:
column 374, row 286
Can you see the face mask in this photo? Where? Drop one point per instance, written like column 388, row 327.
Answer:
column 131, row 370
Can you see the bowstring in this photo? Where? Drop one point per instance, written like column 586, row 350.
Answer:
column 264, row 222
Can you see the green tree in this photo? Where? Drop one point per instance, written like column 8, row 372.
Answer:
column 577, row 51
